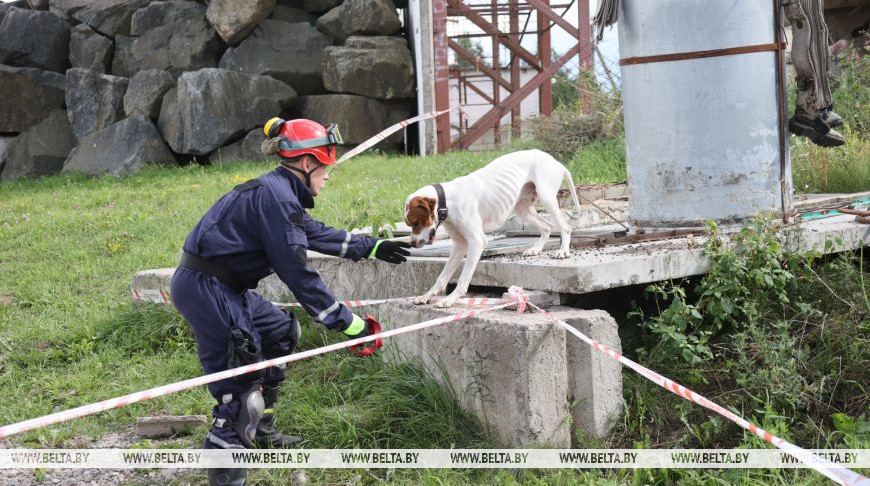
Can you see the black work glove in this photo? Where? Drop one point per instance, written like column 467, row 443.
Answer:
column 391, row 251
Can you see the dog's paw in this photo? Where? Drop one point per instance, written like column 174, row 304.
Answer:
column 445, row 302
column 532, row 251
column 421, row 299
column 563, row 253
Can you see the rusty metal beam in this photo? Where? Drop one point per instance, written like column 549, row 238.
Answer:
column 486, row 122
column 487, row 27
column 545, row 94
column 550, row 14
column 483, row 94
column 478, row 63
column 442, row 73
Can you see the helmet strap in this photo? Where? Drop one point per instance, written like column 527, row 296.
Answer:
column 306, row 173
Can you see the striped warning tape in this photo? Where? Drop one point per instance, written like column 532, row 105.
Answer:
column 141, row 396
column 389, row 131
column 838, row 474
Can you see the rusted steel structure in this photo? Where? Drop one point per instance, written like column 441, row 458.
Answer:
column 507, row 23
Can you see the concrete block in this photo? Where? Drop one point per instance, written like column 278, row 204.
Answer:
column 594, row 379
column 517, row 372
column 168, row 425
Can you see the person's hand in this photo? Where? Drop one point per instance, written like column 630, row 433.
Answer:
column 357, row 328
column 391, row 251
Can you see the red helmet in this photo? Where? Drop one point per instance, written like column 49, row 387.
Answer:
column 301, row 136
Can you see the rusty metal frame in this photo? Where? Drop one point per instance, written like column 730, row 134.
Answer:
column 486, row 16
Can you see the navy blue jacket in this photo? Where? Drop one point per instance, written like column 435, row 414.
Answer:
column 264, row 229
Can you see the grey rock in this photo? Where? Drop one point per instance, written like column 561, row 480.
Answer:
column 248, row 148
column 109, row 17
column 358, row 118
column 31, row 38
column 314, row 6
column 5, row 7
column 292, row 53
column 235, row 19
column 218, row 105
column 90, row 50
column 5, row 144
column 157, row 14
column 145, row 93
column 40, row 150
column 94, row 101
column 178, row 47
column 169, row 122
column 66, row 8
column 121, row 59
column 38, row 4
column 37, row 93
column 378, row 67
column 291, row 15
column 365, row 17
column 119, row 149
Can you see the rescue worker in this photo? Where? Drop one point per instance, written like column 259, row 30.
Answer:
column 814, row 115
column 259, row 228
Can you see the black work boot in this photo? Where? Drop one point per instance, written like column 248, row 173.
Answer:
column 268, row 437
column 830, row 118
column 816, row 130
column 220, row 437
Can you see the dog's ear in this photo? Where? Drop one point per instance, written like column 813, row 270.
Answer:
column 426, row 203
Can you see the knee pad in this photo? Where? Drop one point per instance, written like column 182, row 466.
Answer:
column 251, row 410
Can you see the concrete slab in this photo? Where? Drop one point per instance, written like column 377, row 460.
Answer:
column 518, row 373
column 587, row 270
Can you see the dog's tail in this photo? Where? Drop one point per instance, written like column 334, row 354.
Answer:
column 572, row 189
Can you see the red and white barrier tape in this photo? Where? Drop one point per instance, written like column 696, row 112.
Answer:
column 838, row 474
column 389, row 131
column 104, row 405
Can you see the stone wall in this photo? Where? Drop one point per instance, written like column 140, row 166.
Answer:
column 109, row 86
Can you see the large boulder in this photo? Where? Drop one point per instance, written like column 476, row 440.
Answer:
column 179, row 47
column 109, row 17
column 378, row 67
column 248, row 148
column 31, row 38
column 121, row 59
column 292, row 53
column 40, row 150
column 145, row 93
column 365, row 17
column 36, row 94
column 90, row 50
column 218, row 105
column 235, row 19
column 291, row 15
column 358, row 118
column 157, row 14
column 5, row 7
column 94, row 101
column 119, row 149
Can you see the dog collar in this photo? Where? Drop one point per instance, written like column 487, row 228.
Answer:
column 441, row 212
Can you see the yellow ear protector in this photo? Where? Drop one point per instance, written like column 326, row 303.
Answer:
column 273, row 127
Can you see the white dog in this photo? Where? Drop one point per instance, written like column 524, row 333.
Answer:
column 471, row 205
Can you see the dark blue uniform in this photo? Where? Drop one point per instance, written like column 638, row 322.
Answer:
column 255, row 230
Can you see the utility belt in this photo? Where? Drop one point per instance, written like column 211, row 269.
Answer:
column 223, row 273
